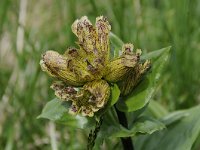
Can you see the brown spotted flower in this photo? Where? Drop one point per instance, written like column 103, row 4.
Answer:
column 84, row 73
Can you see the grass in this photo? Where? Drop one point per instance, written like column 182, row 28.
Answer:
column 149, row 24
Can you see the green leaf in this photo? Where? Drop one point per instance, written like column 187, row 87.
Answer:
column 133, row 116
column 57, row 111
column 156, row 109
column 116, row 42
column 146, row 89
column 154, row 54
column 143, row 125
column 54, row 109
column 179, row 135
column 115, row 93
column 174, row 117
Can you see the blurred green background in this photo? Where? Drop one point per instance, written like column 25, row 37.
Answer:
column 30, row 27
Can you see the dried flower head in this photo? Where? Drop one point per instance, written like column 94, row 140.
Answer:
column 85, row 72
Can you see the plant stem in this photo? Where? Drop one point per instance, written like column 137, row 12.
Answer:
column 126, row 142
column 93, row 134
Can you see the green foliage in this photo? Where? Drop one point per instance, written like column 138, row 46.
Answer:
column 156, row 109
column 148, row 24
column 179, row 135
column 142, row 125
column 57, row 110
column 173, row 117
column 115, row 93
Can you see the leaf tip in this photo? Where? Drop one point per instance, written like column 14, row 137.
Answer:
column 39, row 116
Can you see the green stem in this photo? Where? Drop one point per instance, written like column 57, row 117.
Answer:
column 126, row 142
column 93, row 134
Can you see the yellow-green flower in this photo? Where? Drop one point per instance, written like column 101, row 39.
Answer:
column 84, row 73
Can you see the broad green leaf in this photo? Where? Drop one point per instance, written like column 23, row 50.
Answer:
column 115, row 93
column 134, row 115
column 154, row 54
column 54, row 109
column 196, row 145
column 146, row 89
column 143, row 125
column 57, row 111
column 156, row 109
column 173, row 117
column 179, row 135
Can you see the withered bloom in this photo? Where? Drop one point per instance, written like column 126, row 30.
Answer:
column 84, row 73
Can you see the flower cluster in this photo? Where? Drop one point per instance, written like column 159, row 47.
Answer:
column 84, row 73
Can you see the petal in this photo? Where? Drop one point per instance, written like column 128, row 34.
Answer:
column 89, row 47
column 103, row 29
column 62, row 91
column 100, row 92
column 86, row 100
column 118, row 68
column 59, row 66
column 127, row 48
column 74, row 109
column 129, row 58
column 86, row 34
column 79, row 64
column 132, row 79
column 92, row 97
column 87, row 111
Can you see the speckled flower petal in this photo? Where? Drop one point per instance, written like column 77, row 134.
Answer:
column 122, row 65
column 133, row 77
column 80, row 65
column 129, row 58
column 74, row 109
column 103, row 29
column 86, row 34
column 70, row 69
column 62, row 91
column 90, row 46
column 117, row 71
column 100, row 92
column 92, row 97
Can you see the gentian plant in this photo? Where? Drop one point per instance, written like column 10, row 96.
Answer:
column 102, row 82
